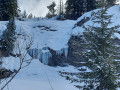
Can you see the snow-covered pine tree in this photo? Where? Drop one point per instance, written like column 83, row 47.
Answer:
column 102, row 55
column 8, row 38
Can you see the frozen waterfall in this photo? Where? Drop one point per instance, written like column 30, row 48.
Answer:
column 44, row 54
column 63, row 51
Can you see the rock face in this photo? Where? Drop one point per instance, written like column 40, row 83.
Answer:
column 81, row 22
column 57, row 59
column 74, row 57
column 67, row 55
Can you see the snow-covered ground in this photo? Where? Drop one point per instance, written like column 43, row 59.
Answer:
column 47, row 33
column 52, row 33
column 41, row 77
column 38, row 76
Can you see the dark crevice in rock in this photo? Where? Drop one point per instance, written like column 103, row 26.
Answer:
column 80, row 23
column 74, row 58
column 57, row 60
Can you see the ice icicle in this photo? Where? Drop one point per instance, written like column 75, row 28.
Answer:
column 42, row 55
column 45, row 56
column 59, row 52
column 63, row 51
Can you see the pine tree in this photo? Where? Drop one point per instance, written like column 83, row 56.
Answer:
column 8, row 38
column 52, row 10
column 75, row 8
column 8, row 9
column 24, row 14
column 30, row 15
column 91, row 5
column 102, row 53
column 71, row 9
column 111, row 2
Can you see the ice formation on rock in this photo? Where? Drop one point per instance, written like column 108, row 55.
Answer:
column 44, row 54
column 63, row 51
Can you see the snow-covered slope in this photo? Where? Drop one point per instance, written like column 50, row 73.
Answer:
column 47, row 33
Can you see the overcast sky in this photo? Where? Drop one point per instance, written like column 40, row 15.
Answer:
column 37, row 7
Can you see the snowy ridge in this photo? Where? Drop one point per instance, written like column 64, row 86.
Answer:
column 115, row 11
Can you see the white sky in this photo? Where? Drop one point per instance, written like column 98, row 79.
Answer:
column 36, row 7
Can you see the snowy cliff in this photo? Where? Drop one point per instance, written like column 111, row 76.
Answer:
column 47, row 35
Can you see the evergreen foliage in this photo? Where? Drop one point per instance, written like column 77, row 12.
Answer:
column 24, row 14
column 8, row 38
column 75, row 8
column 30, row 15
column 101, row 53
column 52, row 10
column 8, row 9
column 111, row 2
